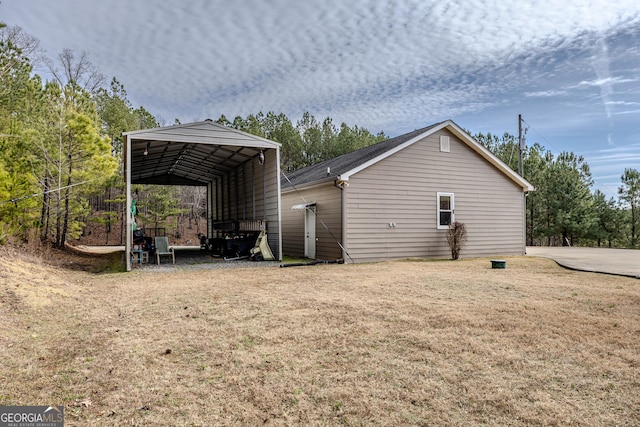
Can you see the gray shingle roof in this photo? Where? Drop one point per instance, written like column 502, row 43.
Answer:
column 346, row 162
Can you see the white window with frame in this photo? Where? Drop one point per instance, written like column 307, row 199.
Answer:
column 446, row 213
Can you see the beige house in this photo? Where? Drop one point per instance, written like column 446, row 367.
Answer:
column 396, row 198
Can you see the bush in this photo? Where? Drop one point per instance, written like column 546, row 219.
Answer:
column 456, row 238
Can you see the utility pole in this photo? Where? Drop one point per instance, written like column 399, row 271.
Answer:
column 520, row 144
column 521, row 148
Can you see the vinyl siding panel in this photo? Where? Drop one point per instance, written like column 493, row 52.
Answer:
column 402, row 189
column 328, row 200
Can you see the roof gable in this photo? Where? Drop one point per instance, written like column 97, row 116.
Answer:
column 342, row 167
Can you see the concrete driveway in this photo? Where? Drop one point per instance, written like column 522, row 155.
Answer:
column 622, row 262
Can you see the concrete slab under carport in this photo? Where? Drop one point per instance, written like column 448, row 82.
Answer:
column 621, row 262
column 191, row 257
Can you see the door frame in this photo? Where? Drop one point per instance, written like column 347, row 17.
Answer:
column 310, row 232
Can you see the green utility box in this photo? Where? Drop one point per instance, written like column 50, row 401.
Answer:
column 498, row 263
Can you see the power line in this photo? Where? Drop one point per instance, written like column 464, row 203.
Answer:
column 17, row 199
column 614, row 191
column 541, row 136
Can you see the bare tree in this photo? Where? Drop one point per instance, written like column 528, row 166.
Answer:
column 78, row 70
column 28, row 45
column 456, row 238
column 19, row 51
column 193, row 203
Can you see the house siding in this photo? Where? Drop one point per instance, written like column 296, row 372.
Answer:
column 328, row 199
column 402, row 189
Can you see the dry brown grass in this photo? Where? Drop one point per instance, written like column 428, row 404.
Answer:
column 397, row 343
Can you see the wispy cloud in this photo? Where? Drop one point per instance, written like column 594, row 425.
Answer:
column 617, row 151
column 545, row 93
column 628, row 112
column 204, row 58
column 604, row 82
column 386, row 66
column 624, row 103
column 392, row 66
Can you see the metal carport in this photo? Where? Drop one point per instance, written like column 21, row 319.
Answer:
column 241, row 172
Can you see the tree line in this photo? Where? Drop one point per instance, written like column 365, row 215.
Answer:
column 61, row 148
column 61, row 145
column 564, row 210
column 309, row 141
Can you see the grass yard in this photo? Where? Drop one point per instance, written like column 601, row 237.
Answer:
column 452, row 343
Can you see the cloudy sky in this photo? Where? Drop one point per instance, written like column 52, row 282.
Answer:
column 570, row 67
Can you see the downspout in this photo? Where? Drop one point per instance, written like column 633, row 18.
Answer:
column 524, row 222
column 342, row 185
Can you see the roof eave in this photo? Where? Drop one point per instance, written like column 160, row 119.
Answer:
column 310, row 184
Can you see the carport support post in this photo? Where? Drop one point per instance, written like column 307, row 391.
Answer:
column 127, row 191
column 279, row 203
column 210, row 194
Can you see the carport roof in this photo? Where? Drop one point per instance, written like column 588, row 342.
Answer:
column 190, row 154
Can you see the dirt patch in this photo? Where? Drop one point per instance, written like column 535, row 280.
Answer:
column 397, row 343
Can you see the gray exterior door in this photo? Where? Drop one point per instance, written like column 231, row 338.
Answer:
column 310, row 232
